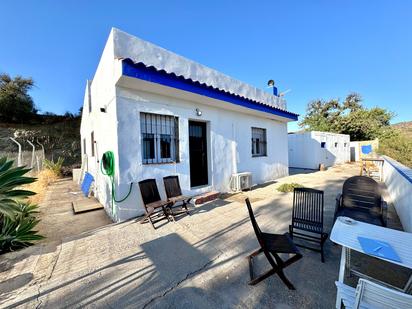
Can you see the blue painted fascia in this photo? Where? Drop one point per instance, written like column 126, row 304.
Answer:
column 400, row 168
column 151, row 74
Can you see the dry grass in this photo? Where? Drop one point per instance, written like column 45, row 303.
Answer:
column 288, row 187
column 44, row 178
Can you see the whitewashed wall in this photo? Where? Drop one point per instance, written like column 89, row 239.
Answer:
column 305, row 149
column 102, row 94
column 398, row 179
column 118, row 129
column 229, row 146
column 355, row 148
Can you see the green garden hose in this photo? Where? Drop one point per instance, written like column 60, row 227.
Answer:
column 107, row 167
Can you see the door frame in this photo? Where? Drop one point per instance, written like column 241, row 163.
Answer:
column 208, row 151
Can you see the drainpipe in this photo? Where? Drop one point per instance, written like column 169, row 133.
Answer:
column 234, row 154
column 19, row 157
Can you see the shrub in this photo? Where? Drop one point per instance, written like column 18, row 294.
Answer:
column 55, row 167
column 398, row 147
column 17, row 217
column 288, row 187
column 18, row 232
column 10, row 181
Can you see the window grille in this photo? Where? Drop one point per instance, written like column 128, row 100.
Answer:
column 160, row 138
column 258, row 142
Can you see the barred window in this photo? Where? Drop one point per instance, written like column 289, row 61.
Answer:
column 160, row 139
column 258, row 142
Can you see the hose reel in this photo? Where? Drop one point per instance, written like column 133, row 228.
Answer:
column 107, row 166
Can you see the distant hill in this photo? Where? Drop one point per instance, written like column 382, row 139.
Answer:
column 404, row 127
column 60, row 136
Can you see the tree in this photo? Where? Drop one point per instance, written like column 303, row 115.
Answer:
column 16, row 105
column 347, row 117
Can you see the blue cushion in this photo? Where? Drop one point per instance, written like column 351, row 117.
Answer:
column 87, row 182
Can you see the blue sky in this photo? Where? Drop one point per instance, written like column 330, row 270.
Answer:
column 319, row 49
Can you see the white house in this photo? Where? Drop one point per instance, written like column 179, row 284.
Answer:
column 312, row 148
column 162, row 114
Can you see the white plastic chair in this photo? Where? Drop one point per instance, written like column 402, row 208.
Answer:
column 369, row 295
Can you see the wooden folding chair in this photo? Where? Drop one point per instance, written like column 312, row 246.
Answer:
column 271, row 245
column 307, row 219
column 154, row 205
column 174, row 192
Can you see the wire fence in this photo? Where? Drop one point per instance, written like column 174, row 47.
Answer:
column 23, row 153
column 32, row 153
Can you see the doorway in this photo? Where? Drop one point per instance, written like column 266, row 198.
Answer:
column 198, row 154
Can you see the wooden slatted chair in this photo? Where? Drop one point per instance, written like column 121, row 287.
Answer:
column 271, row 245
column 154, row 205
column 370, row 295
column 307, row 219
column 361, row 200
column 174, row 192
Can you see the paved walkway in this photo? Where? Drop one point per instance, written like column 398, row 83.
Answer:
column 58, row 220
column 199, row 261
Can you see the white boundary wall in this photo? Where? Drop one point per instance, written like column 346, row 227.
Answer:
column 355, row 148
column 398, row 179
column 305, row 149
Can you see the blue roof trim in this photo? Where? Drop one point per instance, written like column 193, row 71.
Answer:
column 151, row 74
column 405, row 171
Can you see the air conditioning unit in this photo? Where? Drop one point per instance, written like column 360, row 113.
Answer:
column 241, row 181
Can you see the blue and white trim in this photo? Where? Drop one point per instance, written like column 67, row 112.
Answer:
column 151, row 74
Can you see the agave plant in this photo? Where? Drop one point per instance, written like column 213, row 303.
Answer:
column 27, row 210
column 18, row 233
column 17, row 217
column 56, row 167
column 10, row 181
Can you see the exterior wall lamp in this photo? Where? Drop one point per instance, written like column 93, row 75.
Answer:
column 198, row 112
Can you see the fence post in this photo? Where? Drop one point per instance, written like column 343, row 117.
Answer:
column 32, row 154
column 19, row 156
column 43, row 154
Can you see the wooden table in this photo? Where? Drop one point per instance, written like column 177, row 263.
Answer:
column 377, row 161
column 347, row 236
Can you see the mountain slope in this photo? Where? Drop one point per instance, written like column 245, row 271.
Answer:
column 59, row 135
column 405, row 128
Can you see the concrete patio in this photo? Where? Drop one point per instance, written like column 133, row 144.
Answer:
column 199, row 261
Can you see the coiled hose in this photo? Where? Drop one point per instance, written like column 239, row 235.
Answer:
column 107, row 167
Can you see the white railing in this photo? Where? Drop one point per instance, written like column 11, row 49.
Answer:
column 398, row 180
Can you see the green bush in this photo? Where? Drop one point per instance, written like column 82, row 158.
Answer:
column 288, row 187
column 10, row 181
column 17, row 217
column 55, row 167
column 18, row 232
column 398, row 147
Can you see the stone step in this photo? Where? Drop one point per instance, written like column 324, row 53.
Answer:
column 206, row 197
